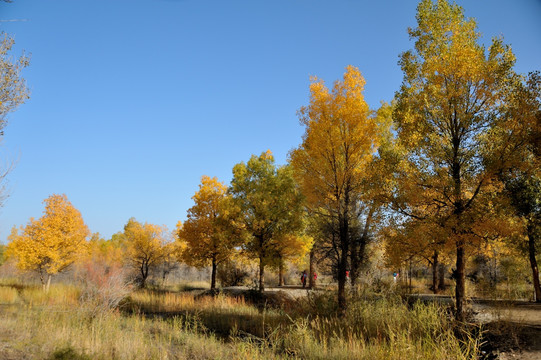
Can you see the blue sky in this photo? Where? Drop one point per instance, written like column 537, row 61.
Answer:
column 133, row 101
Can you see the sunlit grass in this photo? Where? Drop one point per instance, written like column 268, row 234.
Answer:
column 173, row 325
column 8, row 295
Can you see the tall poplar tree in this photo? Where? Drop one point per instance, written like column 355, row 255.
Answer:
column 331, row 165
column 448, row 111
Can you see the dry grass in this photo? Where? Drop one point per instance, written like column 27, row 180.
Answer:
column 168, row 325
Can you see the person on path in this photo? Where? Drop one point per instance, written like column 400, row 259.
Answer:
column 303, row 278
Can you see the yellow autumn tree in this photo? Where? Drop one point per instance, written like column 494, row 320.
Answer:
column 341, row 137
column 108, row 253
column 144, row 247
column 448, row 114
column 51, row 243
column 208, row 235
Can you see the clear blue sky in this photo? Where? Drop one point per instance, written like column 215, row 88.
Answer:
column 133, row 101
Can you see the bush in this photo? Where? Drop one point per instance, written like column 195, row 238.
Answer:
column 104, row 288
column 232, row 273
column 68, row 353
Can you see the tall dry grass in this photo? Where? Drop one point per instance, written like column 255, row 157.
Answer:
column 167, row 325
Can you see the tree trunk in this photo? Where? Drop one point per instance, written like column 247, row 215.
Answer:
column 261, row 274
column 41, row 278
column 342, row 302
column 409, row 276
column 342, row 265
column 144, row 274
column 441, row 274
column 460, row 291
column 213, row 274
column 435, row 263
column 311, row 280
column 281, row 272
column 358, row 249
column 533, row 261
column 49, row 276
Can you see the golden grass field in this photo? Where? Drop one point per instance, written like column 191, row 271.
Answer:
column 151, row 324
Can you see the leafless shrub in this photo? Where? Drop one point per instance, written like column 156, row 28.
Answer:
column 103, row 288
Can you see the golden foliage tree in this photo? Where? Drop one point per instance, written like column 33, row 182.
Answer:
column 208, row 235
column 340, row 139
column 270, row 206
column 108, row 253
column 448, row 113
column 144, row 247
column 51, row 243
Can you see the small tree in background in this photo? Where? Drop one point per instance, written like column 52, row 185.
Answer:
column 208, row 236
column 144, row 247
column 270, row 206
column 53, row 242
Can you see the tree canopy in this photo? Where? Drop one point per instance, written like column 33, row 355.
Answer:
column 51, row 243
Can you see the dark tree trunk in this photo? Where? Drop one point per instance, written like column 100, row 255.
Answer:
column 533, row 261
column 410, row 273
column 460, row 291
column 342, row 302
column 458, row 204
column 261, row 274
column 213, row 274
column 281, row 272
column 144, row 274
column 342, row 264
column 311, row 280
column 441, row 274
column 358, row 249
column 435, row 266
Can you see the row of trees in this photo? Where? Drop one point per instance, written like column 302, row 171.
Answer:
column 260, row 215
column 446, row 170
column 52, row 243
